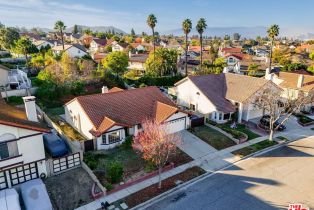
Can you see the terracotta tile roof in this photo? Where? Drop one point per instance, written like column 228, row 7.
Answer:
column 127, row 108
column 231, row 50
column 163, row 111
column 290, row 80
column 12, row 116
column 220, row 88
column 115, row 89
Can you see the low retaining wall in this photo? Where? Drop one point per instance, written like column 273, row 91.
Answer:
column 20, row 92
column 141, row 179
column 237, row 141
column 93, row 177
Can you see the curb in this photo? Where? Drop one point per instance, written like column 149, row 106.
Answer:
column 206, row 175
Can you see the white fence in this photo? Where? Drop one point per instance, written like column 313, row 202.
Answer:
column 20, row 92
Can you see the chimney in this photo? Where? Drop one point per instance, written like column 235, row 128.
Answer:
column 30, row 107
column 104, row 89
column 300, row 81
column 130, row 54
column 268, row 75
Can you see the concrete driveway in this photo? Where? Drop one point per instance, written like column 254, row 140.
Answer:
column 272, row 180
column 194, row 146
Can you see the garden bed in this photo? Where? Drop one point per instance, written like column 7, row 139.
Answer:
column 304, row 120
column 212, row 137
column 134, row 166
column 240, row 132
column 254, row 148
column 167, row 184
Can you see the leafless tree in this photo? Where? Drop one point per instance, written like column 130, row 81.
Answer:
column 281, row 108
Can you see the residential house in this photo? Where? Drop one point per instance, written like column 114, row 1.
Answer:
column 119, row 46
column 97, row 45
column 76, row 38
column 32, row 36
column 42, row 44
column 22, row 154
column 108, row 118
column 14, row 79
column 137, row 62
column 293, row 84
column 229, row 50
column 73, row 50
column 138, row 47
column 219, row 96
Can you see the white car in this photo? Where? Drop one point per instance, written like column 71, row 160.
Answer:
column 9, row 200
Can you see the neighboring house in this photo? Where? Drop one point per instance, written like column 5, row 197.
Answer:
column 32, row 36
column 293, row 84
column 233, row 63
column 76, row 38
column 137, row 62
column 42, row 43
column 14, row 79
column 97, row 45
column 119, row 46
column 138, row 47
column 110, row 117
column 22, row 154
column 219, row 96
column 73, row 50
column 193, row 66
column 229, row 50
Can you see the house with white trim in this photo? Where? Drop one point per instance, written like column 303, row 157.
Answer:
column 22, row 154
column 108, row 118
column 73, row 50
column 218, row 96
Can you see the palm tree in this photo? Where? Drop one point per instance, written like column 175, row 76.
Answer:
column 151, row 22
column 59, row 25
column 187, row 27
column 272, row 32
column 200, row 27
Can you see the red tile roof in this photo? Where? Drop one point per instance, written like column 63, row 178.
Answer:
column 115, row 89
column 126, row 108
column 231, row 50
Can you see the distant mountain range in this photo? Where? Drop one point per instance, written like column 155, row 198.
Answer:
column 93, row 28
column 249, row 32
column 97, row 28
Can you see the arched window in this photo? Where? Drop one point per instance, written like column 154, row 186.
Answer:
column 8, row 146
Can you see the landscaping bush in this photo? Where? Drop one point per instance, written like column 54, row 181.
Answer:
column 15, row 100
column 127, row 144
column 114, row 172
column 108, row 186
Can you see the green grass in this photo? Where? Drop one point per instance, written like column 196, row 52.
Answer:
column 254, row 148
column 282, row 138
column 213, row 137
column 242, row 128
column 55, row 111
column 15, row 100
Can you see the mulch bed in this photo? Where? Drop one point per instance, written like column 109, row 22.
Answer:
column 167, row 184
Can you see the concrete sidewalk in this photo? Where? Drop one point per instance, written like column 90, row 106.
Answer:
column 212, row 161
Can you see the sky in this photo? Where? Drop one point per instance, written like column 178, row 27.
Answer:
column 127, row 14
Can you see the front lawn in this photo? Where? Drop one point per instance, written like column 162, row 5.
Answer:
column 240, row 128
column 213, row 137
column 134, row 166
column 254, row 148
column 15, row 100
column 304, row 120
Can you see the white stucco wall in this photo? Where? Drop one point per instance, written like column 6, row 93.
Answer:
column 75, row 52
column 187, row 93
column 83, row 123
column 31, row 148
column 100, row 144
column 4, row 76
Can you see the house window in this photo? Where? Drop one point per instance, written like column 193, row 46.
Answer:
column 113, row 137
column 8, row 148
column 227, row 116
column 192, row 107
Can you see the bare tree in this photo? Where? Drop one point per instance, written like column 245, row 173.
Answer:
column 281, row 108
column 156, row 145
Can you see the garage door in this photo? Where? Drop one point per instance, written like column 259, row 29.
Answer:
column 176, row 125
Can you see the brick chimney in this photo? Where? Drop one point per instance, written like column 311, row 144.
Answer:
column 30, row 107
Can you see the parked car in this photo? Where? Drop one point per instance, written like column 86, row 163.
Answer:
column 264, row 123
column 35, row 195
column 54, row 145
column 9, row 200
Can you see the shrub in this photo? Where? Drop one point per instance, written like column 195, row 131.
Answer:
column 108, row 186
column 114, row 171
column 127, row 144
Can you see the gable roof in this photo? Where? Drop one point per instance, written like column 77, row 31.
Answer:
column 12, row 116
column 126, row 108
column 115, row 89
column 221, row 88
column 231, row 50
column 290, row 80
column 101, row 42
column 68, row 46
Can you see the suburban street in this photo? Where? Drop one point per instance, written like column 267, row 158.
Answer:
column 270, row 181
